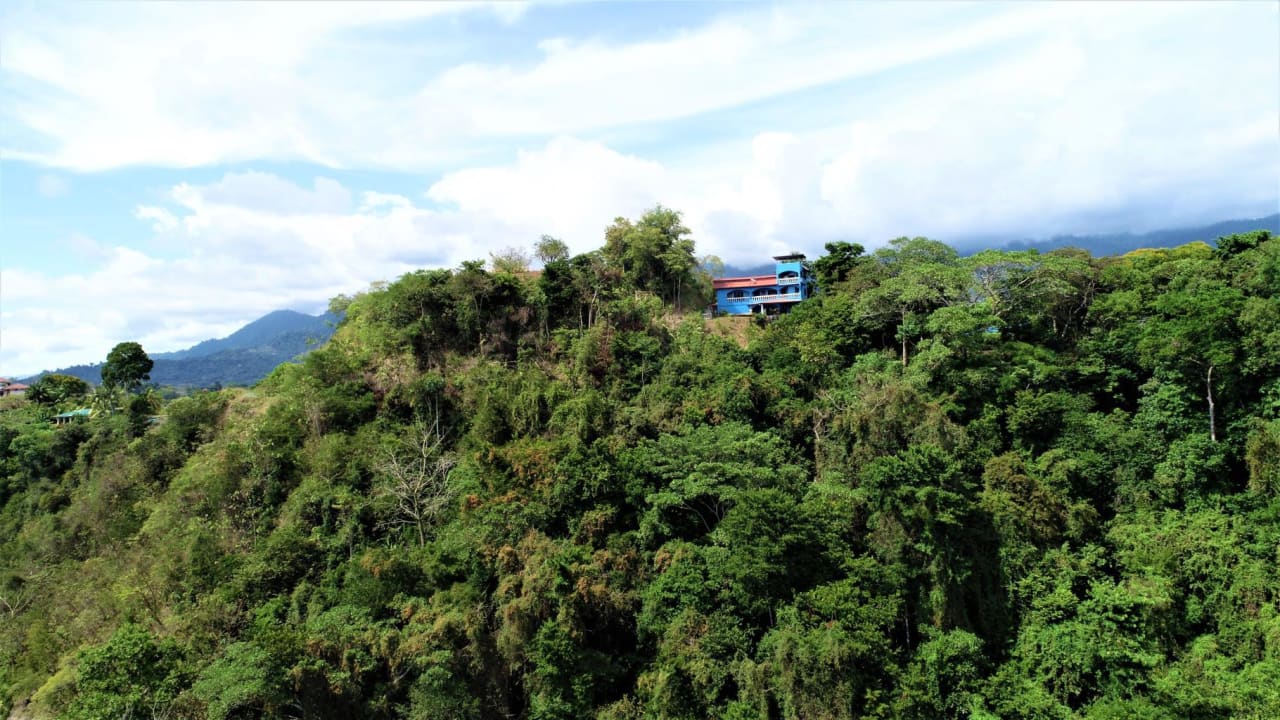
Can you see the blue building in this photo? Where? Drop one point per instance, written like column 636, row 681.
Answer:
column 792, row 281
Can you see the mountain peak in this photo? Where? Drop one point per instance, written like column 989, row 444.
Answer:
column 263, row 331
column 241, row 358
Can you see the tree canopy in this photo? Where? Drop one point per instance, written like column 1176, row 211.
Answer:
column 127, row 367
column 54, row 389
column 1009, row 485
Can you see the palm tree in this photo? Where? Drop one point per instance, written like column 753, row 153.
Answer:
column 107, row 400
column 150, row 399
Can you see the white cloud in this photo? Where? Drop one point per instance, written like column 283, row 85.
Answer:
column 963, row 119
column 250, row 243
column 261, row 191
column 192, row 85
column 570, row 188
column 1073, row 134
column 240, row 254
column 161, row 220
column 235, row 262
column 52, row 186
column 187, row 84
column 739, row 58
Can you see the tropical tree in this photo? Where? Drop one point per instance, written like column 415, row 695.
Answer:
column 107, row 399
column 551, row 249
column 840, row 260
column 54, row 389
column 921, row 275
column 127, row 367
column 655, row 253
column 1194, row 333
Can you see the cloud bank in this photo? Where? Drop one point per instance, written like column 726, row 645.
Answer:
column 771, row 128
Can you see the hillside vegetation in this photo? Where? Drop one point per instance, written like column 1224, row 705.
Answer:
column 1012, row 485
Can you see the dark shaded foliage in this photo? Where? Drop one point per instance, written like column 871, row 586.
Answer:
column 1003, row 485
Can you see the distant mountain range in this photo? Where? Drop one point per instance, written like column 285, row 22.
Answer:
column 242, row 358
column 1120, row 243
column 1097, row 245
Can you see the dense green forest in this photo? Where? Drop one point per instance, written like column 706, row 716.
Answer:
column 1010, row 485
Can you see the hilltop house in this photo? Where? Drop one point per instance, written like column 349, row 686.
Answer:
column 792, row 281
column 9, row 387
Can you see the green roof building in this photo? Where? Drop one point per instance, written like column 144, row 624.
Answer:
column 77, row 414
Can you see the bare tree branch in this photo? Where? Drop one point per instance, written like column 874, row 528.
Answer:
column 415, row 480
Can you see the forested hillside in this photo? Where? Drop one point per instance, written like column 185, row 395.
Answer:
column 1010, row 485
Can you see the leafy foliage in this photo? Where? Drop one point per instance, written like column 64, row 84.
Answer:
column 127, row 367
column 57, row 390
column 1007, row 485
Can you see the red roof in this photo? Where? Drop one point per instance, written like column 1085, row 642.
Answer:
column 745, row 282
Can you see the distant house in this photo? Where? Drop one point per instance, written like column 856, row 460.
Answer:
column 791, row 282
column 9, row 387
column 72, row 415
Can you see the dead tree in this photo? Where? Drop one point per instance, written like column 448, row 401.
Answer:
column 414, row 479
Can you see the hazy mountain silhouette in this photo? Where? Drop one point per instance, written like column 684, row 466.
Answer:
column 1098, row 245
column 1120, row 243
column 242, row 358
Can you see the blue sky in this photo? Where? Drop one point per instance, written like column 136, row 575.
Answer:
column 169, row 172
